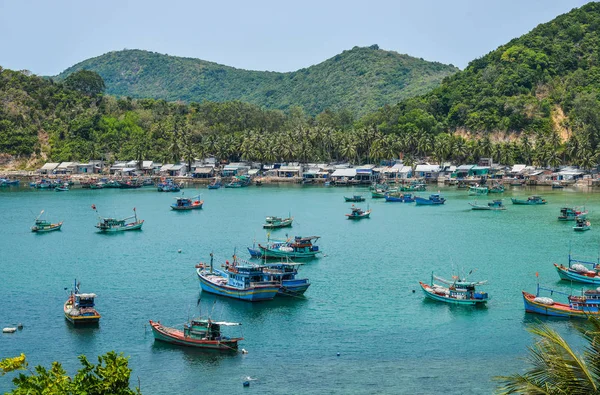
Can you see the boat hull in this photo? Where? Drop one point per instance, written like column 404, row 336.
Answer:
column 357, row 217
column 51, row 228
column 252, row 294
column 293, row 287
column 565, row 274
column 427, row 202
column 353, row 199
column 87, row 319
column 556, row 310
column 187, row 208
column 279, row 224
column 271, row 253
column 134, row 226
column 173, row 336
column 527, row 202
column 438, row 298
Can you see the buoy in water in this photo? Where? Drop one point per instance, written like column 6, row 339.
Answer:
column 179, row 251
column 246, row 384
column 20, row 326
column 244, row 351
column 413, row 291
column 338, row 354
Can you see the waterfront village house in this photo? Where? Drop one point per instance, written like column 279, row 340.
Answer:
column 463, row 171
column 117, row 167
column 447, row 170
column 497, row 171
column 341, row 176
column 48, row 168
column 97, row 166
column 314, row 172
column 172, row 170
column 517, row 171
column 147, row 167
column 427, row 171
column 85, row 168
column 568, row 174
column 66, row 168
column 405, row 172
column 203, row 171
column 289, row 171
column 387, row 173
column 365, row 174
column 485, row 162
column 235, row 169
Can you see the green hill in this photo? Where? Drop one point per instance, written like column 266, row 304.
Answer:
column 360, row 80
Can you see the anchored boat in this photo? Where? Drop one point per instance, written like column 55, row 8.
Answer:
column 119, row 225
column 434, row 199
column 183, row 203
column 495, row 205
column 571, row 213
column 355, row 198
column 531, row 201
column 582, row 224
column 198, row 332
column 278, row 222
column 298, row 248
column 42, row 226
column 358, row 213
column 455, row 291
column 79, row 308
column 400, row 197
column 238, row 280
column 477, row 190
column 577, row 307
column 579, row 271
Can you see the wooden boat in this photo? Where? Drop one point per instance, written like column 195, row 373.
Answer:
column 557, row 185
column 285, row 274
column 434, row 199
column 379, row 193
column 112, row 184
column 582, row 224
column 495, row 205
column 298, row 248
column 400, row 197
column 42, row 226
column 355, row 198
column 168, row 186
column 62, row 188
column 96, row 185
column 531, row 201
column 455, row 291
column 571, row 213
column 277, row 222
column 580, row 271
column 237, row 280
column 79, row 308
column 119, row 225
column 215, row 183
column 129, row 185
column 200, row 333
column 577, row 307
column 358, row 213
column 183, row 203
column 413, row 187
column 477, row 190
column 239, row 182
column 497, row 188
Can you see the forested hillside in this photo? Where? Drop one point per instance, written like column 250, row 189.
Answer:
column 359, row 80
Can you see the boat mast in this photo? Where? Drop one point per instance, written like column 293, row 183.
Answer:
column 211, row 263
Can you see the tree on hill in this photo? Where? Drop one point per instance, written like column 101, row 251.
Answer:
column 109, row 376
column 85, row 81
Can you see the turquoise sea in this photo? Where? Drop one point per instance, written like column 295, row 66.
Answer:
column 364, row 302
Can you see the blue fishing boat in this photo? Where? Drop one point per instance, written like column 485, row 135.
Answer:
column 586, row 272
column 215, row 183
column 577, row 307
column 400, row 197
column 238, row 280
column 434, row 199
column 355, row 198
column 571, row 213
column 184, row 204
column 495, row 205
column 285, row 274
column 168, row 186
column 531, row 201
column 582, row 224
column 298, row 248
column 80, row 309
column 455, row 291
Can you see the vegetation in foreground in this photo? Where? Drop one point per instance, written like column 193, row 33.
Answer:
column 556, row 368
column 109, row 376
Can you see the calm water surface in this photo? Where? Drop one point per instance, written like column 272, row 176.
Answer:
column 362, row 302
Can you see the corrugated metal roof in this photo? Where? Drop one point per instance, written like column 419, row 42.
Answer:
column 50, row 166
column 427, row 168
column 203, row 170
column 344, row 173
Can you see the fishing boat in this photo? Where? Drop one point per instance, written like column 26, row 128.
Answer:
column 168, row 186
column 215, row 183
column 112, row 184
column 96, row 185
column 413, row 187
column 42, row 226
column 238, row 280
column 557, row 185
column 119, row 225
column 478, row 190
column 62, row 188
column 298, row 248
column 497, row 188
column 579, row 271
column 277, row 222
column 571, row 213
column 355, row 198
column 456, row 291
column 239, row 182
column 495, row 205
column 130, row 185
column 198, row 332
column 183, row 203
column 582, row 224
column 79, row 308
column 531, row 201
column 379, row 193
column 434, row 199
column 285, row 274
column 400, row 197
column 358, row 213
column 577, row 307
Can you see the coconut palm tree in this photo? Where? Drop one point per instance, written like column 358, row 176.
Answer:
column 556, row 367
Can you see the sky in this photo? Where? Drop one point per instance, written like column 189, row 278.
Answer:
column 47, row 37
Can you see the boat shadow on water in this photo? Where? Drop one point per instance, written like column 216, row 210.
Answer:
column 456, row 309
column 193, row 355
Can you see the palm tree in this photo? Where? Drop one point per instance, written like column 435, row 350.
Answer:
column 556, row 367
